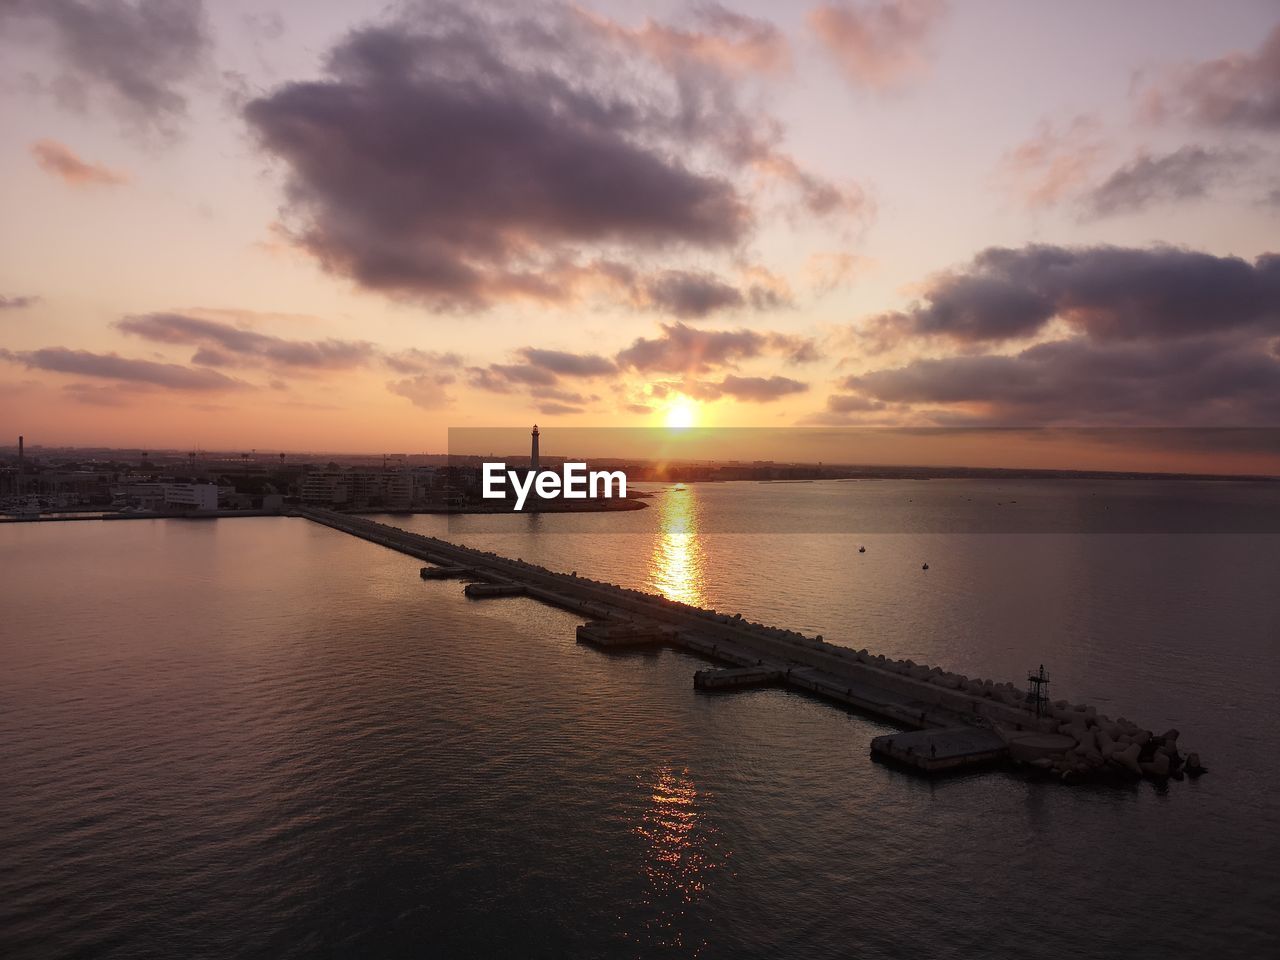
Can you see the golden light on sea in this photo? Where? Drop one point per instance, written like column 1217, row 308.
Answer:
column 676, row 565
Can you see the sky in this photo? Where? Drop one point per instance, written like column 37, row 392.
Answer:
column 348, row 226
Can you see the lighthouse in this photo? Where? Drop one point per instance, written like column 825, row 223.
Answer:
column 533, row 451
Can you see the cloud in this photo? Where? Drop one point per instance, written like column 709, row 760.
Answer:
column 58, row 160
column 825, row 272
column 819, row 197
column 1239, row 90
column 692, row 295
column 426, row 390
column 417, row 361
column 553, row 409
column 846, row 403
column 1225, row 381
column 465, row 155
column 137, row 56
column 436, row 161
column 111, row 366
column 722, row 40
column 1108, row 293
column 843, row 408
column 878, row 46
column 1187, row 173
column 112, row 395
column 1055, row 163
column 760, row 389
column 562, row 363
column 17, row 303
column 684, row 349
column 223, row 344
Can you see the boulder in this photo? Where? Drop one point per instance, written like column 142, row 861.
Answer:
column 1157, row 767
column 1128, row 758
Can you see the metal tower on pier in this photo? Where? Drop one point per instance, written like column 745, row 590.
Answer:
column 1038, row 691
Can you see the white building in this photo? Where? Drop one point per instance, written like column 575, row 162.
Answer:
column 191, row 496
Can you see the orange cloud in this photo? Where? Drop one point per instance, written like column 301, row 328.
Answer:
column 58, row 160
column 1053, row 165
column 878, row 46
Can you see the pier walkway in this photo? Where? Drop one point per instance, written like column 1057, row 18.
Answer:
column 901, row 693
column 963, row 723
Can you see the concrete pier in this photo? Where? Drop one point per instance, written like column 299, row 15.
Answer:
column 445, row 572
column 619, row 636
column 949, row 750
column 483, row 591
column 736, row 678
column 969, row 721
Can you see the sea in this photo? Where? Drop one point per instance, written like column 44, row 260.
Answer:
column 260, row 737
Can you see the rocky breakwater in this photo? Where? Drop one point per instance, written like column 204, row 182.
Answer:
column 1106, row 748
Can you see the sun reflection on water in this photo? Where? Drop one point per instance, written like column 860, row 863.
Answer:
column 676, row 566
column 682, row 853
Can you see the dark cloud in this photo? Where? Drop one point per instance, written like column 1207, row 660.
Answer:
column 760, row 389
column 1109, row 293
column 562, row 363
column 138, row 56
column 60, row 161
column 110, row 366
column 1228, row 381
column 17, row 303
column 1239, row 90
column 463, row 155
column 223, row 344
column 878, row 45
column 1185, row 174
column 690, row 295
column 684, row 349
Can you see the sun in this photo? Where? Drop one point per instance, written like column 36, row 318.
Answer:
column 681, row 414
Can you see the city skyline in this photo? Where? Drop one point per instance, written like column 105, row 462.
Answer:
column 239, row 227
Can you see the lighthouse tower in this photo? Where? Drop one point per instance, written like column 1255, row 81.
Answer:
column 533, row 452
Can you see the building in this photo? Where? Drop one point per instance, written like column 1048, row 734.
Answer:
column 359, row 490
column 190, row 496
column 324, row 489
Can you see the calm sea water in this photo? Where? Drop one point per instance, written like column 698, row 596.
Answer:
column 262, row 738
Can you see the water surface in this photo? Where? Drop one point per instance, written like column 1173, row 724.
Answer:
column 259, row 737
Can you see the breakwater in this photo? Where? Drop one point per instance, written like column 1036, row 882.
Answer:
column 999, row 724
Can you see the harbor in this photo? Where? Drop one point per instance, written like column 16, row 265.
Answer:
column 958, row 723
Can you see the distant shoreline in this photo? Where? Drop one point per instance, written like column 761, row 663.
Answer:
column 502, row 509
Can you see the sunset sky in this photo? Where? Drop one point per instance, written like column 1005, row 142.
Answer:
column 345, row 226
